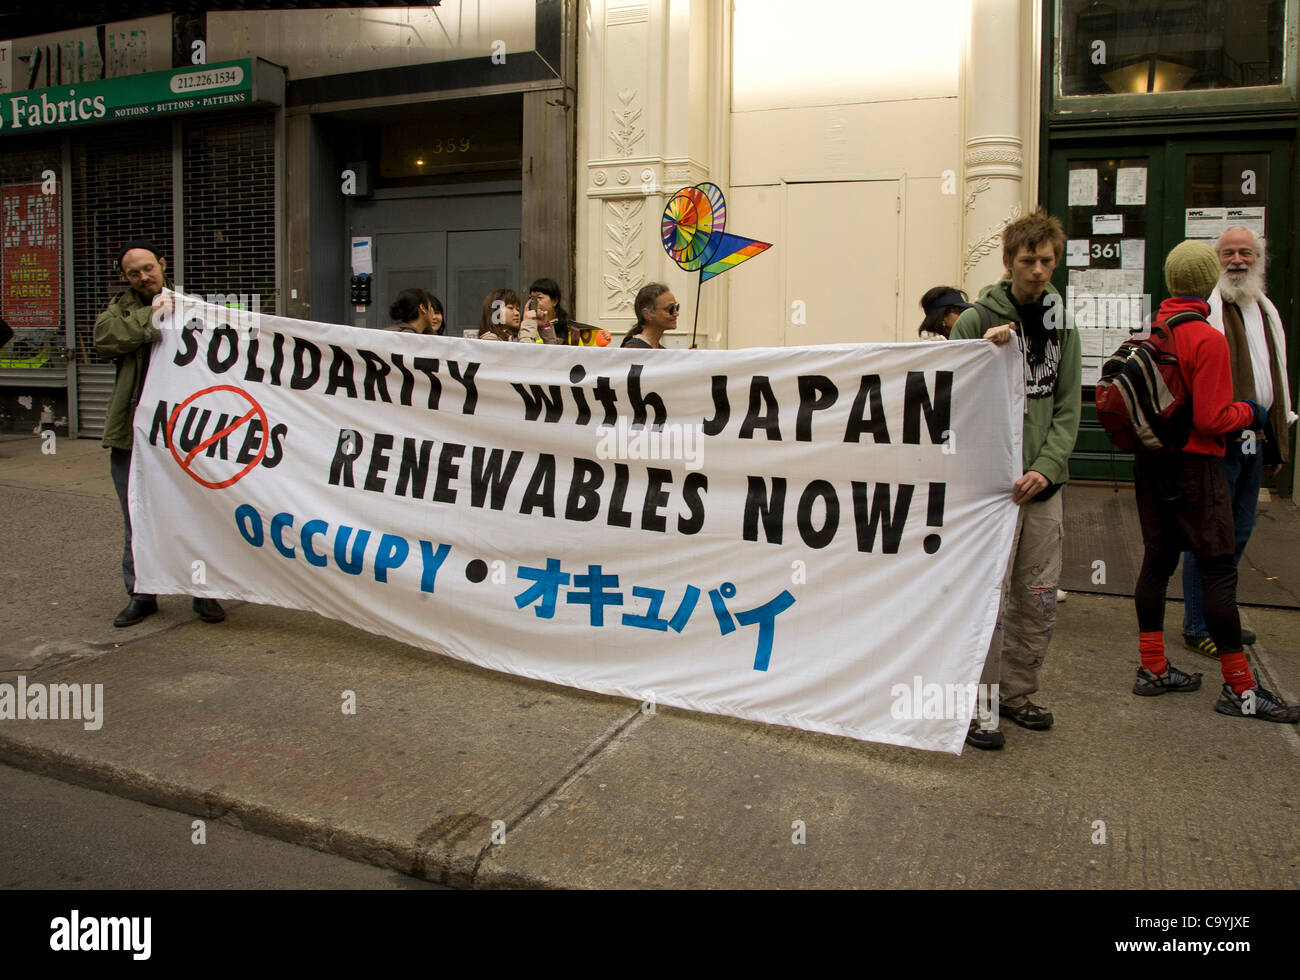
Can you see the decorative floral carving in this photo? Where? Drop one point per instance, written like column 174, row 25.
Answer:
column 977, row 188
column 624, row 255
column 625, row 132
column 599, row 178
column 992, row 240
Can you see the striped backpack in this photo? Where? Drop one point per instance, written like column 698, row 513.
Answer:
column 1143, row 402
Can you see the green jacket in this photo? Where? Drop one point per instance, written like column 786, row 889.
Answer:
column 1051, row 422
column 124, row 332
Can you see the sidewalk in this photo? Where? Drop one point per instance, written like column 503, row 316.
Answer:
column 242, row 722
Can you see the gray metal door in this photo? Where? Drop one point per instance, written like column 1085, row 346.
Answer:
column 404, row 260
column 460, row 246
column 477, row 263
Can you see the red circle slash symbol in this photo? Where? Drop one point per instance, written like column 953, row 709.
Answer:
column 187, row 463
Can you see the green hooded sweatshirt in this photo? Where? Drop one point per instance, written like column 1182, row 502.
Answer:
column 124, row 332
column 1051, row 421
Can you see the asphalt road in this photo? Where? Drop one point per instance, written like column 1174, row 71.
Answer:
column 62, row 836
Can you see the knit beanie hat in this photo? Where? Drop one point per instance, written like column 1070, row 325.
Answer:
column 148, row 246
column 1192, row 269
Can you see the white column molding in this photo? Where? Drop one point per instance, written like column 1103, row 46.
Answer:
column 645, row 128
column 994, row 156
column 998, row 75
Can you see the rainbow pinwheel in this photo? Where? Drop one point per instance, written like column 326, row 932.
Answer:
column 694, row 238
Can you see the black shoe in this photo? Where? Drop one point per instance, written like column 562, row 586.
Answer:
column 980, row 739
column 208, row 610
column 1201, row 643
column 1257, row 703
column 1173, row 679
column 1028, row 715
column 136, row 610
column 1248, row 637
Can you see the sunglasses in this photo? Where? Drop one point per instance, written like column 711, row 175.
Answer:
column 672, row 308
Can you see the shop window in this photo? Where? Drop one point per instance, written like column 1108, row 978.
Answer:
column 1147, row 47
column 31, row 259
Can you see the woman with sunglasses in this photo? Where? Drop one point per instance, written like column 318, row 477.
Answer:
column 656, row 314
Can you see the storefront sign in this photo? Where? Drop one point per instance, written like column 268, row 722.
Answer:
column 160, row 93
column 29, row 255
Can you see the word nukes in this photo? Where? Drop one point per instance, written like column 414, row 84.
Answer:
column 301, row 365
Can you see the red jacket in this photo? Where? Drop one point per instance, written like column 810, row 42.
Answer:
column 1203, row 353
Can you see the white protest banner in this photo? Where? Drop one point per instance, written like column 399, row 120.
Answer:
column 812, row 537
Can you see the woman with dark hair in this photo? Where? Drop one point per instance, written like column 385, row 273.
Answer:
column 656, row 313
column 499, row 319
column 942, row 306
column 553, row 323
column 416, row 311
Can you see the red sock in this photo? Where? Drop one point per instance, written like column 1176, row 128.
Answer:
column 1236, row 671
column 1151, row 646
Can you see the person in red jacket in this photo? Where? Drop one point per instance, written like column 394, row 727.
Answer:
column 1183, row 503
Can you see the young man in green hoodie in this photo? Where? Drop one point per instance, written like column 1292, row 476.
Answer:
column 1025, row 303
column 126, row 332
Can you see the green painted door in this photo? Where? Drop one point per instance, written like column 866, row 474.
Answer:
column 1124, row 206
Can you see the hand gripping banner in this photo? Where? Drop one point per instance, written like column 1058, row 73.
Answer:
column 812, row 536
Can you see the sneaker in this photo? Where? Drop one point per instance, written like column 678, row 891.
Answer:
column 1173, row 679
column 978, row 738
column 1201, row 643
column 1256, row 703
column 1248, row 637
column 1061, row 595
column 1028, row 715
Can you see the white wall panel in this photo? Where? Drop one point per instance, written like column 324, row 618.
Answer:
column 829, row 52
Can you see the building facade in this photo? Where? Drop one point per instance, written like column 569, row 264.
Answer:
column 879, row 148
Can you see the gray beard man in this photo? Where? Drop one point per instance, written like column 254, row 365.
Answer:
column 1257, row 353
column 1241, row 283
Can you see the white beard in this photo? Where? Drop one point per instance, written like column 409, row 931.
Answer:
column 1242, row 287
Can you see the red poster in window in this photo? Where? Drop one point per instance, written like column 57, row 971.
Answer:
column 29, row 256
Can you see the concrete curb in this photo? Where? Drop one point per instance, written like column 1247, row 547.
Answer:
column 430, row 864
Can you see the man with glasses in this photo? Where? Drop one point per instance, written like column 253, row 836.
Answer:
column 125, row 332
column 1257, row 351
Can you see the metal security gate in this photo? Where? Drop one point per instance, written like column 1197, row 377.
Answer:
column 94, row 386
column 121, row 189
column 125, row 183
